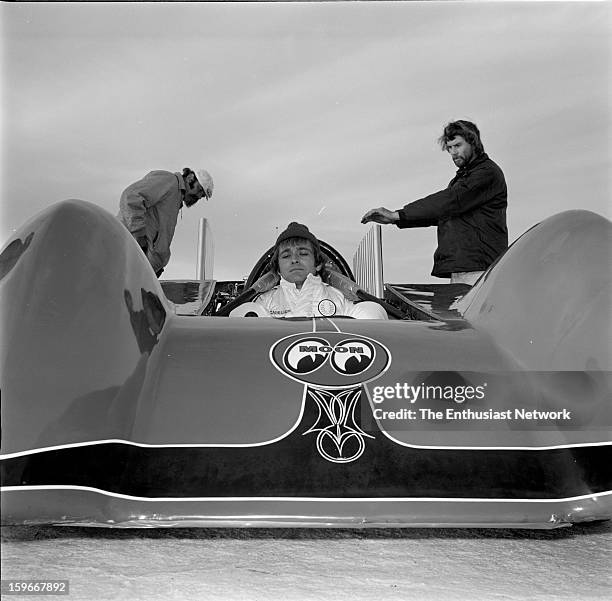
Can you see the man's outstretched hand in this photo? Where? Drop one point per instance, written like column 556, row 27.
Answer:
column 380, row 215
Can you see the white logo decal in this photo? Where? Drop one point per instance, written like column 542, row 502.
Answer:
column 341, row 440
column 327, row 307
column 334, row 367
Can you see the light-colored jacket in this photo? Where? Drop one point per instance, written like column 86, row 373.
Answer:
column 150, row 207
column 314, row 299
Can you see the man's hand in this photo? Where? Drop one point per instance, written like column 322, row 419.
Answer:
column 380, row 215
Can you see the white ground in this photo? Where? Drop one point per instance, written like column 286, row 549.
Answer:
column 271, row 564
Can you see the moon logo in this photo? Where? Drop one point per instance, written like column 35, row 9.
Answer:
column 330, row 360
column 306, row 355
column 353, row 356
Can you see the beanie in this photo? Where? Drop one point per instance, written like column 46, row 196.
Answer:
column 297, row 230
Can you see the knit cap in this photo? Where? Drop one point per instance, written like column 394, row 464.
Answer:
column 297, row 230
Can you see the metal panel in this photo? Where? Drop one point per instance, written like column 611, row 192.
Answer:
column 206, row 251
column 368, row 262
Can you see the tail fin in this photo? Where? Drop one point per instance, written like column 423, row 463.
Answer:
column 368, row 263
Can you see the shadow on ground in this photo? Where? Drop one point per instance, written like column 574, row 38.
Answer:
column 28, row 533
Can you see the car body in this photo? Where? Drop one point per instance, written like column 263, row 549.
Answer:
column 487, row 406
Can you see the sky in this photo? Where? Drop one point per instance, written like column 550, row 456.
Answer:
column 312, row 112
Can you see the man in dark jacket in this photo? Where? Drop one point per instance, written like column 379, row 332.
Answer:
column 470, row 213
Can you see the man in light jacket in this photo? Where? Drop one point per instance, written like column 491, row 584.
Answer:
column 149, row 209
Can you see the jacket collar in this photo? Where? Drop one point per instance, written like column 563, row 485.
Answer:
column 182, row 189
column 310, row 280
column 481, row 158
column 181, row 181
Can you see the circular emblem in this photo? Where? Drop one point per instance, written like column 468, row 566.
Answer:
column 330, row 359
column 327, row 307
column 352, row 356
column 306, row 355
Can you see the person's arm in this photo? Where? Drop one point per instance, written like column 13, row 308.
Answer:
column 464, row 195
column 140, row 196
column 380, row 215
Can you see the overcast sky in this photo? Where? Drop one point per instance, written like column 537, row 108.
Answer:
column 314, row 112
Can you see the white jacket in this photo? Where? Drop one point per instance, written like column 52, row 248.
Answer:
column 314, row 299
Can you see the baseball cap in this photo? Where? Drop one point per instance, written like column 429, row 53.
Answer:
column 206, row 181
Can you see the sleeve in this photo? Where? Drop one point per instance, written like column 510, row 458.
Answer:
column 344, row 306
column 367, row 310
column 250, row 309
column 140, row 196
column 360, row 310
column 462, row 196
column 265, row 299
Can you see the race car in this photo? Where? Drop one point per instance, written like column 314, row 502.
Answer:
column 127, row 402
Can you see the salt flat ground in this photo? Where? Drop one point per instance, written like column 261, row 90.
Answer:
column 302, row 564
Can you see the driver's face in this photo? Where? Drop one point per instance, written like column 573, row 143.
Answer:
column 296, row 259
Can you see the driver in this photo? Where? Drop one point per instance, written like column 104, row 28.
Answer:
column 298, row 260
